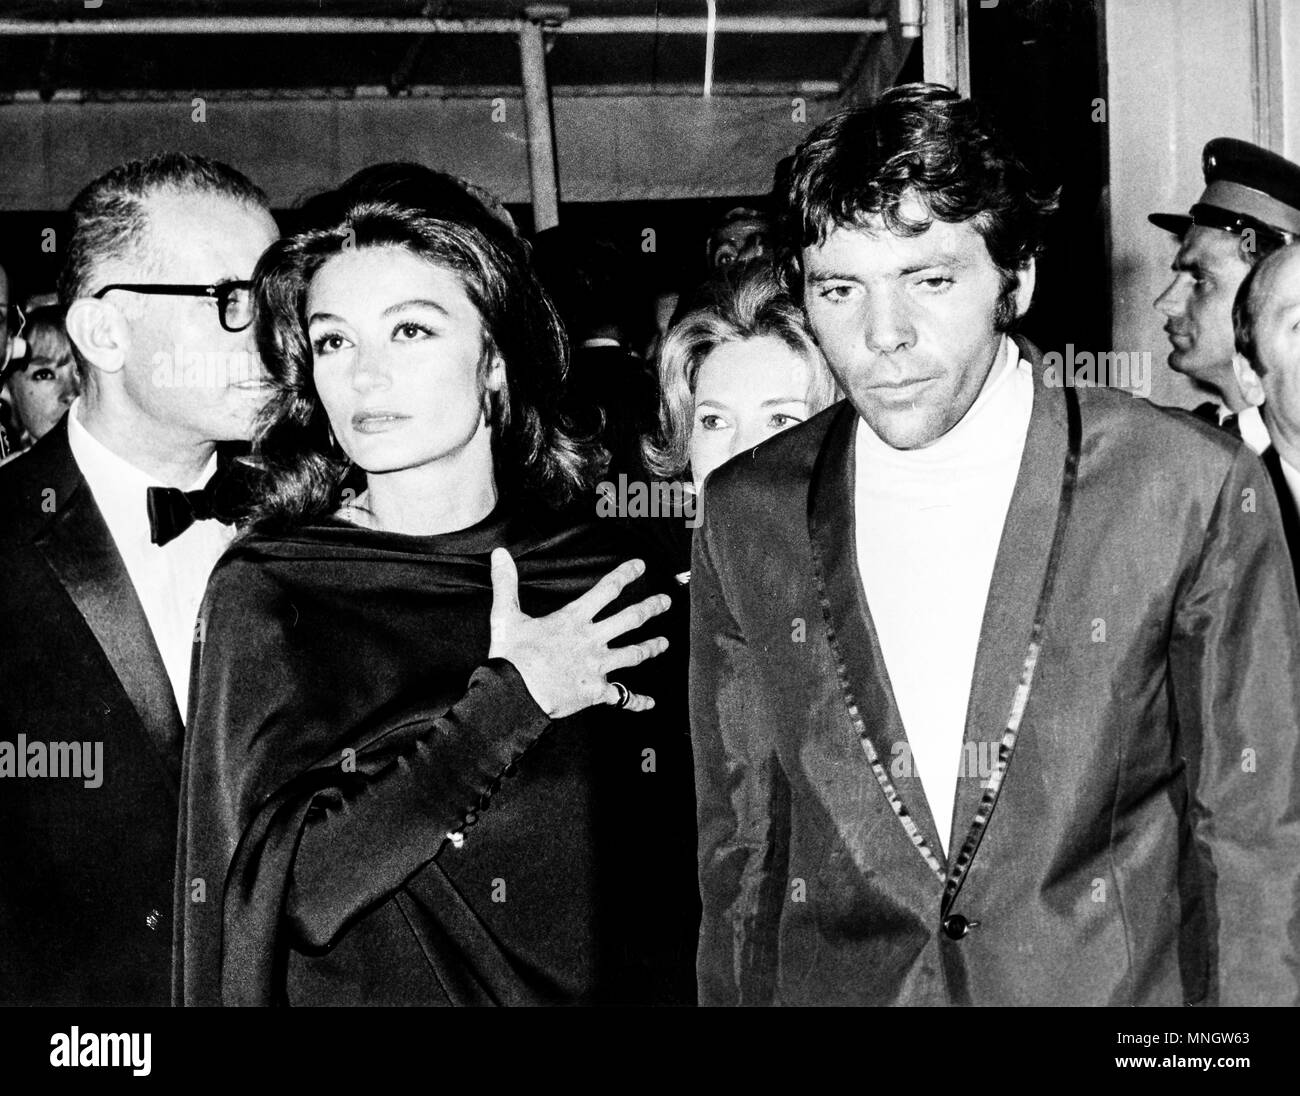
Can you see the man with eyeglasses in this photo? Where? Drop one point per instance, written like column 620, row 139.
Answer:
column 111, row 524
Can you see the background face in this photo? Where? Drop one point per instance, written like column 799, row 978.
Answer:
column 906, row 323
column 744, row 393
column 738, row 242
column 1198, row 303
column 43, row 392
column 185, row 372
column 1277, row 344
column 396, row 349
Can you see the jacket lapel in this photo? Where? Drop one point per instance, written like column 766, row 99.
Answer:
column 860, row 665
column 1009, row 613
column 80, row 551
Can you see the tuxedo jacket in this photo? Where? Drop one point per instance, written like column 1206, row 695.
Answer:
column 1286, row 504
column 1135, row 841
column 85, row 872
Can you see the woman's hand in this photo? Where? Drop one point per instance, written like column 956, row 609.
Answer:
column 564, row 657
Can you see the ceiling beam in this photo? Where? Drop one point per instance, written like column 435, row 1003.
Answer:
column 584, row 24
column 815, row 89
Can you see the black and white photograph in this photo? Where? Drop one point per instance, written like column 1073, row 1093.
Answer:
column 648, row 505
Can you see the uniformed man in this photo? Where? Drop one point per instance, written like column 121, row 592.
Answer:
column 1250, row 208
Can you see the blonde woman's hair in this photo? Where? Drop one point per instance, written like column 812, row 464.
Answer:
column 46, row 336
column 746, row 302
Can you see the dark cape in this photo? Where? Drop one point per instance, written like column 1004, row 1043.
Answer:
column 345, row 722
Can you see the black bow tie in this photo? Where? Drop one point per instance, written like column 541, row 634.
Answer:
column 172, row 511
column 1209, row 412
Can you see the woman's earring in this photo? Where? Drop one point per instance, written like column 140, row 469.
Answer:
column 492, row 400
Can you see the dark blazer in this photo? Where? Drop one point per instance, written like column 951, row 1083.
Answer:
column 1137, row 843
column 85, row 873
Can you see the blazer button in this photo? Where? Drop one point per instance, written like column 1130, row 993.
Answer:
column 152, row 918
column 955, row 926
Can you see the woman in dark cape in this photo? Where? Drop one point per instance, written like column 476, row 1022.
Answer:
column 407, row 779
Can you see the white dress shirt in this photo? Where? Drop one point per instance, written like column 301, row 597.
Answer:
column 1253, row 431
column 928, row 523
column 169, row 580
column 1292, row 476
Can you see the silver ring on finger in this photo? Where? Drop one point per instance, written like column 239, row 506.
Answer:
column 624, row 694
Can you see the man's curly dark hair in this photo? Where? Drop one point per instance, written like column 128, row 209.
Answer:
column 923, row 140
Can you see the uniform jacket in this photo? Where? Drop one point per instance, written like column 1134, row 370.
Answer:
column 1135, row 841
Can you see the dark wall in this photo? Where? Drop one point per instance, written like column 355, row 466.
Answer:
column 31, row 267
column 1035, row 66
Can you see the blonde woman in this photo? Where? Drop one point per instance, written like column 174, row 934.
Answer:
column 733, row 372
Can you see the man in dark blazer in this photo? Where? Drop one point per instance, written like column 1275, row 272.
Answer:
column 1265, row 319
column 992, row 680
column 103, row 558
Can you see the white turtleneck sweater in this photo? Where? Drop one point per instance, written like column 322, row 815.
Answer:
column 928, row 523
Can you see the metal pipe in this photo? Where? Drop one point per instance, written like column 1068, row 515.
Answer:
column 710, row 35
column 945, row 45
column 542, row 175
column 590, row 24
column 910, row 18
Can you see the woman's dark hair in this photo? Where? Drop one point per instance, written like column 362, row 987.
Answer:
column 921, row 139
column 434, row 218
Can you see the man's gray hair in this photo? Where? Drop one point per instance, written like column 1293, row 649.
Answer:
column 109, row 221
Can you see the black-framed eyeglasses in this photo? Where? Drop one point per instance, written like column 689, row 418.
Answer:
column 14, row 320
column 234, row 299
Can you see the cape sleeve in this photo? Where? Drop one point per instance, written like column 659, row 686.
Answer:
column 277, row 850
column 346, row 834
